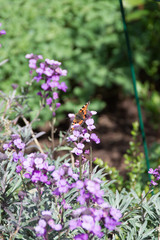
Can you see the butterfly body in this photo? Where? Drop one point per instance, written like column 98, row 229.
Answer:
column 80, row 117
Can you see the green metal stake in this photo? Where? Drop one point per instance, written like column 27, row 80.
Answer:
column 135, row 88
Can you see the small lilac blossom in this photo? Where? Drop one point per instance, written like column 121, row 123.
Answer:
column 95, row 138
column 90, row 124
column 79, row 184
column 153, row 183
column 29, row 55
column 82, row 236
column 115, row 213
column 111, row 223
column 32, row 63
column 87, row 222
column 156, row 175
column 45, row 86
column 2, row 32
column 19, row 144
column 78, row 150
column 7, row 145
column 58, row 105
column 63, row 87
column 18, row 168
column 40, row 229
column 55, row 95
column 49, row 101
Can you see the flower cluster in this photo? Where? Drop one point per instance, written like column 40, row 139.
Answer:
column 81, row 135
column 156, row 175
column 95, row 211
column 50, row 72
column 16, row 146
column 2, row 32
column 94, row 214
column 63, row 178
column 36, row 168
column 89, row 191
column 15, row 143
column 92, row 219
column 44, row 222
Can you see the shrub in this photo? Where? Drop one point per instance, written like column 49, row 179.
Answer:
column 47, row 195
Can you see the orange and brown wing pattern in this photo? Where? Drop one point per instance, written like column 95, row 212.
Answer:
column 80, row 116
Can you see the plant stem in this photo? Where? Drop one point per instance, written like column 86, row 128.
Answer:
column 35, row 139
column 90, row 163
column 39, row 198
column 72, row 160
column 18, row 225
column 80, row 167
column 52, row 133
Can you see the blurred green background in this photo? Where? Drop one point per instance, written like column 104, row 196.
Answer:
column 87, row 37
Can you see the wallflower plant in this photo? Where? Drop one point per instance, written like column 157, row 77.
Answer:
column 62, row 197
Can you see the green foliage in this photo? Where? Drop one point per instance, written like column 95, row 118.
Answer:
column 135, row 162
column 135, row 166
column 22, row 201
column 150, row 100
column 140, row 215
column 86, row 37
column 154, row 155
column 112, row 174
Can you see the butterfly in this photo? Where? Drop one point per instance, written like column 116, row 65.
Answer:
column 80, row 117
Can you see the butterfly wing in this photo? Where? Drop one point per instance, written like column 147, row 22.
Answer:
column 80, row 116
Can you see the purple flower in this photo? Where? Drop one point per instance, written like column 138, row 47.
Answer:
column 49, row 101
column 62, row 186
column 79, row 184
column 2, row 32
column 78, row 149
column 18, row 156
column 111, row 223
column 48, row 71
column 151, row 171
column 55, row 95
column 154, row 183
column 156, row 175
column 7, row 145
column 39, row 71
column 52, row 62
column 18, row 168
column 74, row 223
column 29, row 55
column 90, row 124
column 57, row 227
column 36, row 176
column 32, row 63
column 115, row 213
column 82, row 236
column 63, row 87
column 58, row 105
column 45, row 86
column 19, row 144
column 40, row 229
column 87, row 222
column 95, row 138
